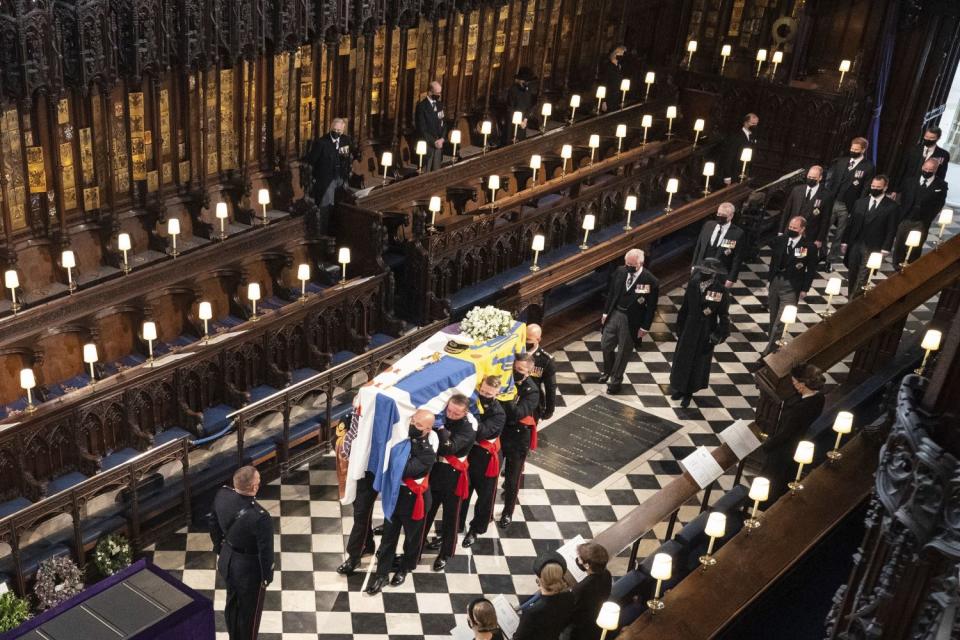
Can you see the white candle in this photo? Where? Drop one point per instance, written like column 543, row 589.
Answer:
column 386, row 161
column 343, row 257
column 303, row 274
column 205, row 313
column 11, row 281
column 90, row 357
column 222, row 215
column 69, row 262
column 150, row 334
column 27, row 382
column 725, row 52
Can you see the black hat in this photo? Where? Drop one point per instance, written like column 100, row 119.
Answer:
column 712, row 266
column 525, row 74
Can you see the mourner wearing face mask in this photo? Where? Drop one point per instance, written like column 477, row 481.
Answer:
column 519, row 98
column 793, row 266
column 610, row 75
column 431, row 126
column 873, row 222
column 484, row 460
column 810, row 201
column 848, row 180
column 631, row 304
column 590, row 593
column 544, row 371
column 413, row 502
column 519, row 433
column 703, row 323
column 920, row 202
column 723, row 240
column 330, row 159
column 912, row 165
column 450, row 479
column 728, row 157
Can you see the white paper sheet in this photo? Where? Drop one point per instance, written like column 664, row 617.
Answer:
column 702, row 467
column 569, row 553
column 507, row 618
column 740, row 439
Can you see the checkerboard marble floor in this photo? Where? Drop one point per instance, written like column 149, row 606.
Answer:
column 308, row 599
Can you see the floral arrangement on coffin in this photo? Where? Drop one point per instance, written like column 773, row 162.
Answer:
column 58, row 579
column 486, row 323
column 14, row 611
column 112, row 554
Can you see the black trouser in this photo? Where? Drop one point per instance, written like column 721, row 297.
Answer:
column 361, row 534
column 516, row 444
column 899, row 243
column 485, row 488
column 443, row 491
column 616, row 342
column 413, row 532
column 244, row 593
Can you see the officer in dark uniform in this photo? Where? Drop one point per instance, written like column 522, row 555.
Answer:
column 450, row 480
column 242, row 534
column 544, row 372
column 484, row 460
column 519, row 434
column 413, row 501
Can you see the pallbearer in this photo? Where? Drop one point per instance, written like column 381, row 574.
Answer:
column 544, row 372
column 484, row 459
column 519, row 434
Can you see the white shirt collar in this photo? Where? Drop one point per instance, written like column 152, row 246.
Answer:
column 856, row 161
column 813, row 190
column 877, row 201
column 746, row 132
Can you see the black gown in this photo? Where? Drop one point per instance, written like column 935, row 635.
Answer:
column 795, row 419
column 703, row 323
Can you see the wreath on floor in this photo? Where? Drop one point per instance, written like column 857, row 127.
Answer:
column 14, row 611
column 58, row 579
column 112, row 554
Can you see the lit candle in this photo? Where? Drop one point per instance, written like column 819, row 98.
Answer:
column 517, row 120
column 601, row 94
column 27, row 382
column 761, row 58
column 930, row 343
column 486, row 128
column 745, row 157
column 386, row 161
column 566, row 152
column 574, row 105
column 588, row 225
column 546, row 111
column 222, row 215
column 725, row 52
column 253, row 294
column 205, row 313
column 263, row 199
column 788, row 316
column 844, row 68
column 716, row 528
column 662, row 569
column 11, row 281
column 69, row 262
column 759, row 492
column 646, row 122
column 803, row 455
column 421, row 150
column 874, row 262
column 593, row 143
column 671, row 114
column 842, row 425
column 493, row 183
column 608, row 618
column 90, row 357
column 621, row 134
column 535, row 162
column 455, row 140
column 832, row 289
column 537, row 246
column 343, row 257
column 777, row 59
column 303, row 274
column 691, row 49
column 173, row 229
column 709, row 169
column 698, row 126
column 624, row 88
column 912, row 242
column 435, row 206
column 945, row 218
column 648, row 80
column 629, row 205
column 673, row 185
column 149, row 334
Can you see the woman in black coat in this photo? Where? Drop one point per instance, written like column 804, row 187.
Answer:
column 546, row 618
column 591, row 592
column 703, row 323
column 798, row 413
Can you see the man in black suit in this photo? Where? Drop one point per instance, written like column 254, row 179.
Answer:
column 793, row 266
column 733, row 145
column 330, row 159
column 913, row 162
column 811, row 202
column 723, row 240
column 627, row 315
column 519, row 98
column 847, row 181
column 610, row 75
column 431, row 126
column 872, row 225
column 920, row 202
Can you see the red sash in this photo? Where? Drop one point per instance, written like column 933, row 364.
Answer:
column 418, row 490
column 463, row 482
column 493, row 448
column 531, row 422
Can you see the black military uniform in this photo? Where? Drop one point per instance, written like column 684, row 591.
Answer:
column 630, row 306
column 519, row 436
column 793, row 266
column 408, row 515
column 330, row 159
column 449, row 485
column 360, row 540
column 545, row 375
column 242, row 534
column 484, row 461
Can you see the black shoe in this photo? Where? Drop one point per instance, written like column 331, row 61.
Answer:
column 613, row 388
column 376, row 585
column 504, row 522
column 378, row 530
column 348, row 567
column 440, row 563
column 676, row 395
column 399, row 578
column 469, row 539
column 435, row 544
column 686, row 401
column 603, row 378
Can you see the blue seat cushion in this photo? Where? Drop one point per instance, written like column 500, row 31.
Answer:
column 169, row 435
column 313, row 287
column 66, row 386
column 96, row 528
column 226, row 322
column 342, row 356
column 260, row 392
column 117, row 458
column 64, row 482
column 273, row 302
column 339, row 412
column 630, row 586
column 259, row 449
column 379, row 339
column 215, row 418
column 33, row 555
column 301, row 429
column 299, row 375
column 569, row 295
column 732, row 500
column 12, row 506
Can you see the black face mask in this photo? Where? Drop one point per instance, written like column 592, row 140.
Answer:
column 751, row 128
column 580, row 564
column 855, row 155
column 631, row 269
column 435, row 97
column 876, row 193
column 929, row 143
column 619, row 58
column 413, row 432
column 722, row 220
column 926, row 174
column 812, row 182
column 531, row 346
column 334, row 135
column 793, row 234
